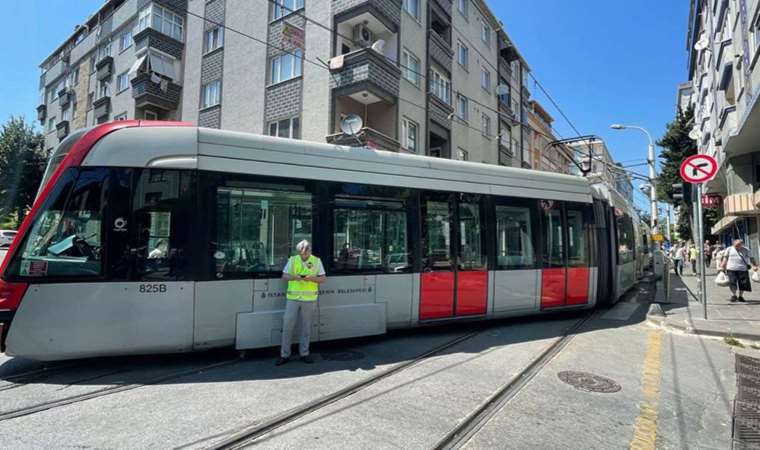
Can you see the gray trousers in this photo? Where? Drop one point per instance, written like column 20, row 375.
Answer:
column 294, row 309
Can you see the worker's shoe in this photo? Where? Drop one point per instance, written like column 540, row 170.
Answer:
column 741, row 300
column 280, row 361
column 733, row 299
column 307, row 359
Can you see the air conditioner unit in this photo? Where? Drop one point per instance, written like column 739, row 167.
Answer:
column 363, row 35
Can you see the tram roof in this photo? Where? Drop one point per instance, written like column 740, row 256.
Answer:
column 245, row 153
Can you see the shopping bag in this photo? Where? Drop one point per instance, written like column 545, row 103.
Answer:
column 756, row 276
column 722, row 279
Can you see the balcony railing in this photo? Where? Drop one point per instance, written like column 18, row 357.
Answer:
column 163, row 94
column 741, row 204
column 368, row 137
column 365, row 69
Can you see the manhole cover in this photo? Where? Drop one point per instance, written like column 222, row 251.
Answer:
column 589, row 382
column 343, row 355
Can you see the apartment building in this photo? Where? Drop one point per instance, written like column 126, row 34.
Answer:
column 594, row 154
column 434, row 77
column 723, row 51
column 546, row 155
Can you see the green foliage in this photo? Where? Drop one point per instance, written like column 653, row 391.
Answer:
column 22, row 163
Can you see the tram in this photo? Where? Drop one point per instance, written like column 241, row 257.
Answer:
column 158, row 237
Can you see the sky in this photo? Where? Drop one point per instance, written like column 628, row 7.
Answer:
column 603, row 61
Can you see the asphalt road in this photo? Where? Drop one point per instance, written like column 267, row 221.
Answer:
column 686, row 382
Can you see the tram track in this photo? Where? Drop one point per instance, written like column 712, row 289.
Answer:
column 98, row 393
column 249, row 434
column 27, row 382
column 467, row 428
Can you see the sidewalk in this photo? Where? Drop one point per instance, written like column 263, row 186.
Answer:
column 725, row 319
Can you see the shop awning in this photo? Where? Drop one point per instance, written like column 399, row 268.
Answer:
column 723, row 223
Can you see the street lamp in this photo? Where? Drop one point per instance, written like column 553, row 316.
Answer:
column 650, row 160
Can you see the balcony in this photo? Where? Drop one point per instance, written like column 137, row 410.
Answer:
column 101, row 108
column 368, row 137
column 42, row 113
column 104, row 68
column 366, row 76
column 62, row 129
column 387, row 11
column 440, row 50
column 151, row 89
column 151, row 38
column 64, row 97
column 742, row 204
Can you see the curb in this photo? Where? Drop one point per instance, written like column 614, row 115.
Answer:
column 688, row 328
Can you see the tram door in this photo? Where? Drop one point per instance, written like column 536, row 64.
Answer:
column 454, row 280
column 565, row 277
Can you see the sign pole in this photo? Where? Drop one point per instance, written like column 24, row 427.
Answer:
column 701, row 234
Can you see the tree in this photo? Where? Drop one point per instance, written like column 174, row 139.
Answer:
column 22, row 164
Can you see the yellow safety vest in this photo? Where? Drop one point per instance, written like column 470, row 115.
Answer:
column 304, row 291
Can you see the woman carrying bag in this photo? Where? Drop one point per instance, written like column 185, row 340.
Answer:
column 737, row 262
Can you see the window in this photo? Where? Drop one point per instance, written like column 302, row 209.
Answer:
column 282, row 8
column 413, row 8
column 104, row 89
column 161, row 19
column 286, row 128
column 436, row 236
column 125, row 40
column 51, row 124
column 93, row 61
column 626, row 237
column 554, row 253
column 486, row 125
column 577, row 238
column 286, row 66
column 472, row 255
column 150, row 115
column 514, row 238
column 462, row 6
column 89, row 100
column 462, row 107
column 65, row 114
column 74, row 77
column 411, row 67
column 463, row 155
column 258, row 226
column 485, row 34
column 410, row 133
column 505, row 94
column 440, row 86
column 214, row 39
column 122, row 82
column 210, row 94
column 505, row 137
column 485, row 79
column 370, row 234
column 462, row 54
column 122, row 116
column 104, row 51
column 65, row 239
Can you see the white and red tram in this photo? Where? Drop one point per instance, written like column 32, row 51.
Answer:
column 152, row 237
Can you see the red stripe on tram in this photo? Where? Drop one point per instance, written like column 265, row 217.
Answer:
column 577, row 285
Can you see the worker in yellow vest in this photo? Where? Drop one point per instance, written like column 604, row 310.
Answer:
column 304, row 273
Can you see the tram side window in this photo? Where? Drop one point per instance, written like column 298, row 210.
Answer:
column 553, row 246
column 578, row 239
column 514, row 240
column 161, row 211
column 370, row 235
column 471, row 254
column 66, row 238
column 626, row 237
column 258, row 228
column 437, row 236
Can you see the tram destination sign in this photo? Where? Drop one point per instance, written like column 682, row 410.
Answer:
column 699, row 169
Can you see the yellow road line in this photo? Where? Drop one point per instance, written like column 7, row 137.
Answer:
column 645, row 428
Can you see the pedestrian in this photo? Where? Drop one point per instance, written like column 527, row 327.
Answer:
column 304, row 273
column 708, row 253
column 718, row 255
column 677, row 257
column 693, row 254
column 736, row 262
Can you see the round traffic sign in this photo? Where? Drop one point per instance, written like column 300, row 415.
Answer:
column 699, row 169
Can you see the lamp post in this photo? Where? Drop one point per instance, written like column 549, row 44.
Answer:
column 650, row 161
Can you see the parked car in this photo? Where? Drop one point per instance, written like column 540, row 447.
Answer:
column 6, row 238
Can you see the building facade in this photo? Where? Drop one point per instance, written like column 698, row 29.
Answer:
column 594, row 155
column 723, row 51
column 433, row 77
column 544, row 154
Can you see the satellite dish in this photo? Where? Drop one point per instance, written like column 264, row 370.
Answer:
column 502, row 89
column 702, row 43
column 379, row 46
column 351, row 124
column 695, row 133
